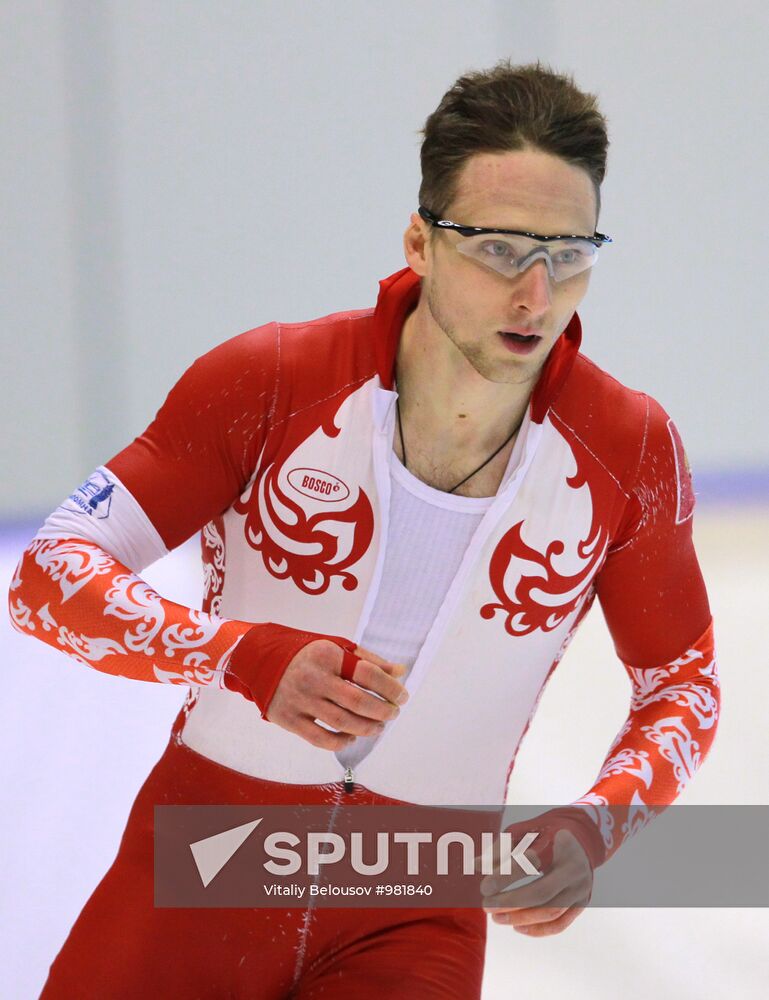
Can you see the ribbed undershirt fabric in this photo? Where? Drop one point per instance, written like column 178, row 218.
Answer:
column 429, row 532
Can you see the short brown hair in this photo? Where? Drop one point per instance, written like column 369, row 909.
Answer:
column 507, row 108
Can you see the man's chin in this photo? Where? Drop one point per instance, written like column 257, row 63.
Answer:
column 517, row 371
column 512, row 369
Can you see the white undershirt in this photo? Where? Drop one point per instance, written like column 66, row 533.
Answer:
column 429, row 532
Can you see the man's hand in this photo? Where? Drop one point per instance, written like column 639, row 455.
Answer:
column 550, row 903
column 312, row 688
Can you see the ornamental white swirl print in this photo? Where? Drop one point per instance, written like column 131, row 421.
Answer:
column 193, row 672
column 70, row 563
column 629, row 761
column 202, row 628
column 698, row 698
column 646, row 680
column 132, row 600
column 88, row 649
column 21, row 616
column 677, row 746
column 66, row 617
column 639, row 814
column 594, row 806
column 213, row 555
column 85, row 649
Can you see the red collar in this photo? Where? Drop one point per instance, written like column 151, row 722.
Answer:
column 399, row 293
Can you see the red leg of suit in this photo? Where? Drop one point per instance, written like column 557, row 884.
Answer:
column 123, row 947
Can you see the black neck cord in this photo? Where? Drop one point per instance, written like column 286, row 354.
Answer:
column 492, row 455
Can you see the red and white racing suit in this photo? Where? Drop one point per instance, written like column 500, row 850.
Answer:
column 275, row 446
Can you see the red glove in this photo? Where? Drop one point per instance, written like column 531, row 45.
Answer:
column 260, row 659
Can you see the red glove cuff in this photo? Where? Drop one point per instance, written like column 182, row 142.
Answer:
column 260, row 659
column 567, row 818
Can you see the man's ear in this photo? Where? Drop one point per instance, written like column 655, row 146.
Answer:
column 416, row 245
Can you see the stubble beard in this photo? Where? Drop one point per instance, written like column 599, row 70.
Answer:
column 517, row 371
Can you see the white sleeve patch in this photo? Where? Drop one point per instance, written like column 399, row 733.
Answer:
column 102, row 510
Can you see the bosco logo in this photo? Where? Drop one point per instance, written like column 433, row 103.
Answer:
column 318, row 484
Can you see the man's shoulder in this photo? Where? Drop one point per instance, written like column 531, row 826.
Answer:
column 589, row 383
column 349, row 322
column 339, row 341
column 320, row 358
column 615, row 422
column 349, row 319
column 332, row 345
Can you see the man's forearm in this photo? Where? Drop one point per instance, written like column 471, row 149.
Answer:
column 80, row 599
column 77, row 597
column 667, row 735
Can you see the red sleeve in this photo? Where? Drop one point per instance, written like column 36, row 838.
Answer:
column 200, row 451
column 668, row 732
column 74, row 596
column 650, row 588
column 193, row 460
column 656, row 608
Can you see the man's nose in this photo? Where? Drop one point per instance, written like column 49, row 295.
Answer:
column 532, row 288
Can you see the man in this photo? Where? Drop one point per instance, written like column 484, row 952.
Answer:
column 405, row 514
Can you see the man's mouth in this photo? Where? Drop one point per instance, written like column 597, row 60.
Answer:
column 519, row 343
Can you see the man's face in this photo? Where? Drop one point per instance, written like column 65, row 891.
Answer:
column 527, row 190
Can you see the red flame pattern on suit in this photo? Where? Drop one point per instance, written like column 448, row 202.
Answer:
column 268, row 528
column 558, row 595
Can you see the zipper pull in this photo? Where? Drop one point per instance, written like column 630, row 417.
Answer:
column 349, row 780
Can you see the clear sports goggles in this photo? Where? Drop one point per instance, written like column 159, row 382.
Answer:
column 509, row 251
